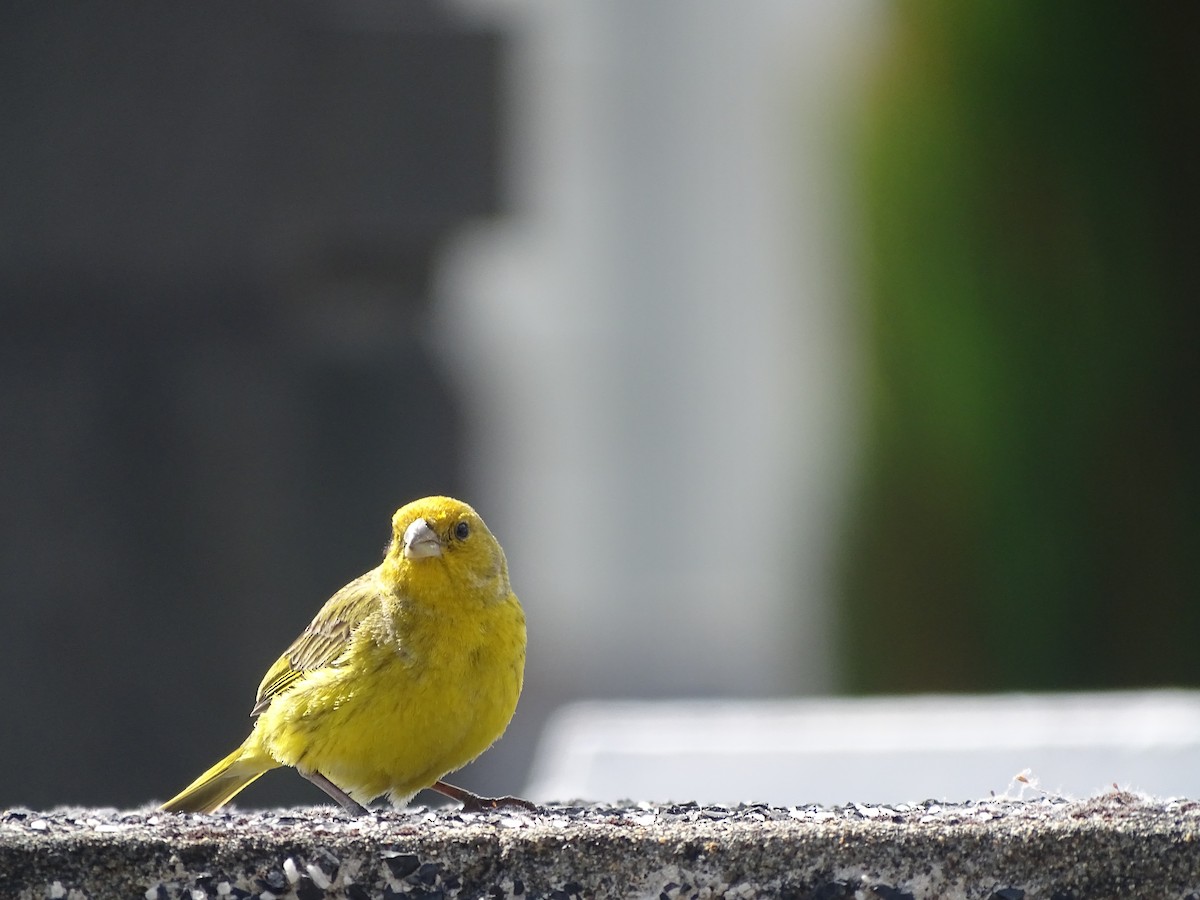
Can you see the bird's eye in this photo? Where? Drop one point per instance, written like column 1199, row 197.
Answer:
column 461, row 530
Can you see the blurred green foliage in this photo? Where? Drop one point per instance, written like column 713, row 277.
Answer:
column 1029, row 510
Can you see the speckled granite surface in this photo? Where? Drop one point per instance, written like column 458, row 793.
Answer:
column 1109, row 846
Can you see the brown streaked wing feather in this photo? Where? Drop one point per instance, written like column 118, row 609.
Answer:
column 323, row 641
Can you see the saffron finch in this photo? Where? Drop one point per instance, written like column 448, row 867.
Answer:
column 407, row 673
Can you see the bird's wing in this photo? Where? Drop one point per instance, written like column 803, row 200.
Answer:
column 323, row 641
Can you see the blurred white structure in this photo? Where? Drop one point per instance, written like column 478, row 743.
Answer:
column 877, row 750
column 658, row 343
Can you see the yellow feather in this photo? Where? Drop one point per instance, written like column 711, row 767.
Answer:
column 406, row 674
column 220, row 784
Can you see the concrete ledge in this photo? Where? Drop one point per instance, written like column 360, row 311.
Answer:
column 1115, row 845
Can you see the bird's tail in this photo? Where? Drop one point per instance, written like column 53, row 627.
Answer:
column 221, row 783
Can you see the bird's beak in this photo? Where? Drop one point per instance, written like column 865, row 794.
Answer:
column 420, row 541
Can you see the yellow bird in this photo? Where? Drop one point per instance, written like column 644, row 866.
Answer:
column 406, row 674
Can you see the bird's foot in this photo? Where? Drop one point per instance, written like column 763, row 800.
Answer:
column 475, row 803
column 348, row 803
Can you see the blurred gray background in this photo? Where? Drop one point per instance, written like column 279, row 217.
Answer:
column 788, row 348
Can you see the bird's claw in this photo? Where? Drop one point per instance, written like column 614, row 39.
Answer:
column 476, row 804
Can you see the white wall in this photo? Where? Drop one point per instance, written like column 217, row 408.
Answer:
column 658, row 343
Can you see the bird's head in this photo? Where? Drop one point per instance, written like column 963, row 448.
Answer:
column 442, row 541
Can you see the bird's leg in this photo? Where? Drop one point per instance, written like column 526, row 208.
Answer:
column 475, row 803
column 349, row 804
